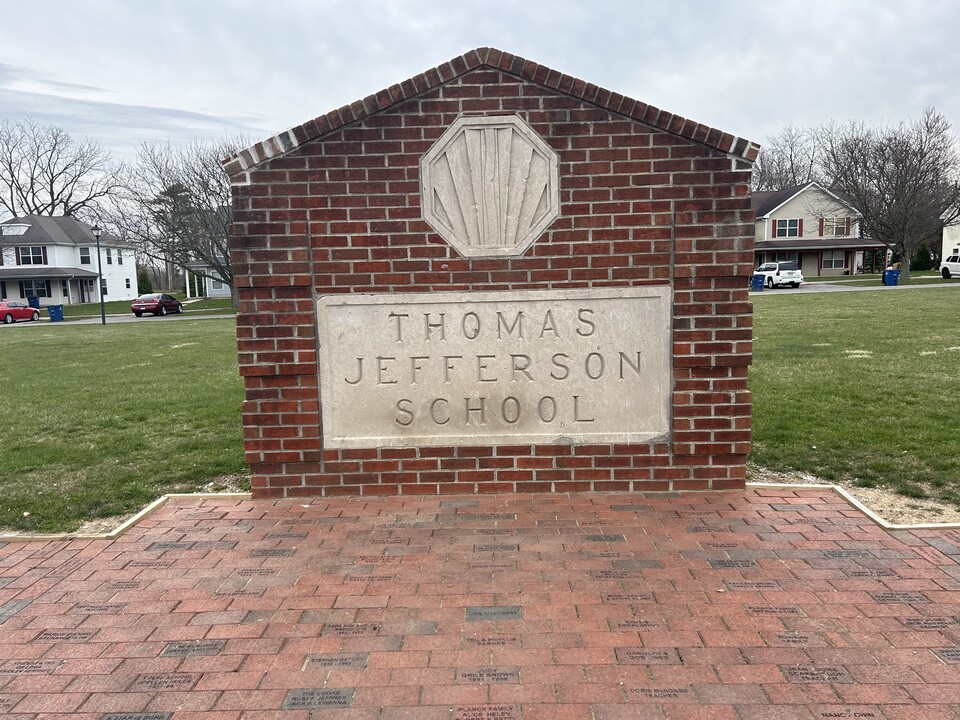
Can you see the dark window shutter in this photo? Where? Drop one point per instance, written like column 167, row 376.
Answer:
column 847, row 230
column 800, row 227
column 773, row 223
column 44, row 254
column 23, row 292
column 821, row 227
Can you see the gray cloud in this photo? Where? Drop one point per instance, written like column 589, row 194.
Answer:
column 124, row 72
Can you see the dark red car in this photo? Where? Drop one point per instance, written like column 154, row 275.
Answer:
column 13, row 310
column 156, row 303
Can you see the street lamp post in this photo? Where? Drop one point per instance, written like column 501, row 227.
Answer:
column 103, row 312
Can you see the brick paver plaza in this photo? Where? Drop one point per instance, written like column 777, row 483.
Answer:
column 764, row 603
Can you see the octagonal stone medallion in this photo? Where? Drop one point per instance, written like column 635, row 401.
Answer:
column 490, row 186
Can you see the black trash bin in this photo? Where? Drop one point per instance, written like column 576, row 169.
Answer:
column 756, row 282
column 33, row 301
column 56, row 312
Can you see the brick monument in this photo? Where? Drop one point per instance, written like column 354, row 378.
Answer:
column 494, row 277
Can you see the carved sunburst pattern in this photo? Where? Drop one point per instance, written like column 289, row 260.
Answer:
column 490, row 186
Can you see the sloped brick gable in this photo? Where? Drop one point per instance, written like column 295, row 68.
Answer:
column 337, row 210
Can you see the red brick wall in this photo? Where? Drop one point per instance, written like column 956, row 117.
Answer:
column 341, row 213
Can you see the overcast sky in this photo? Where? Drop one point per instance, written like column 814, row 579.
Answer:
column 125, row 71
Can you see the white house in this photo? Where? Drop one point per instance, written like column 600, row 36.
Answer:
column 811, row 226
column 204, row 281
column 951, row 237
column 55, row 259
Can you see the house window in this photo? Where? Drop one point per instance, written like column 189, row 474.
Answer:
column 36, row 255
column 833, row 259
column 119, row 256
column 128, row 283
column 38, row 288
column 217, row 285
column 787, row 228
column 787, row 257
column 109, row 257
column 834, row 227
column 103, row 287
column 84, row 256
column 64, row 289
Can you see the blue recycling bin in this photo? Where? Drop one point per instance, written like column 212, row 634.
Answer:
column 56, row 312
column 33, row 301
column 891, row 277
column 756, row 282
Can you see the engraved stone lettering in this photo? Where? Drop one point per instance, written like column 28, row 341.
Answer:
column 306, row 698
column 816, row 674
column 489, row 675
column 648, row 656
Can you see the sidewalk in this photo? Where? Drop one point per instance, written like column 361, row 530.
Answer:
column 766, row 603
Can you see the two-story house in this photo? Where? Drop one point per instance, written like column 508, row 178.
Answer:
column 55, row 259
column 812, row 226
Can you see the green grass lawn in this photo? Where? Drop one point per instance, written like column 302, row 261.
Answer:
column 97, row 420
column 861, row 387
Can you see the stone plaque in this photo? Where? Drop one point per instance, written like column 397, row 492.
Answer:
column 495, row 548
column 124, row 585
column 350, row 629
column 100, row 608
column 489, row 675
column 631, row 625
column 487, row 712
column 30, row 667
column 495, row 641
column 286, row 536
column 648, row 656
column 847, row 554
column 603, row 538
column 314, row 698
column 337, row 661
column 273, row 553
column 751, row 585
column 138, row 716
column 494, row 612
column 65, row 635
column 871, row 573
column 949, row 655
column 628, row 597
column 725, row 564
column 893, row 598
column 255, row 572
column 183, row 648
column 814, row 674
column 489, row 368
column 632, row 508
column 774, row 610
column 490, row 186
column 662, row 693
column 788, row 639
column 613, row 574
column 928, row 623
column 165, row 546
column 164, row 681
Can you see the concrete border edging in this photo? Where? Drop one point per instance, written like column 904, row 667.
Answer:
column 126, row 524
column 161, row 501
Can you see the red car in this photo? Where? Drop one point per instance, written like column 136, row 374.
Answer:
column 13, row 310
column 156, row 303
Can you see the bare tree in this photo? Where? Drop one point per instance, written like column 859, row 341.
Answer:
column 791, row 157
column 904, row 179
column 44, row 171
column 176, row 206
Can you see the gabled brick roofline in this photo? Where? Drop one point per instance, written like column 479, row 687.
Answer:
column 500, row 60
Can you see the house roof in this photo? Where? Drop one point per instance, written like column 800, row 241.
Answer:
column 495, row 59
column 765, row 203
column 63, row 230
column 847, row 243
column 40, row 273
